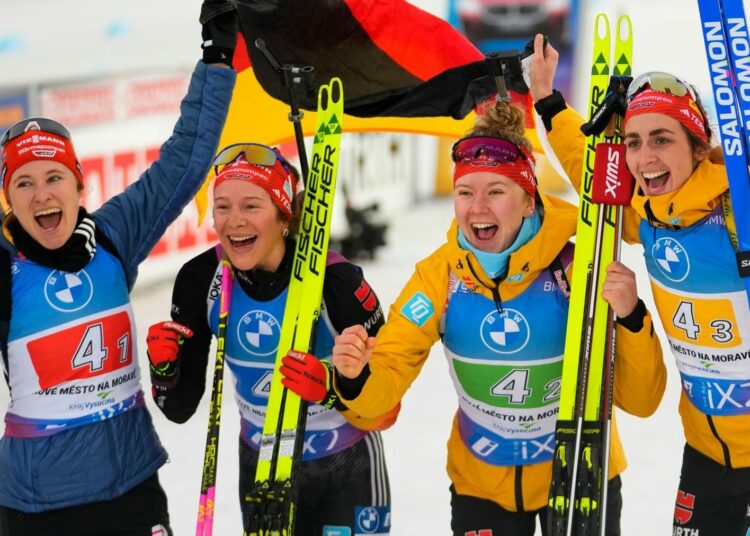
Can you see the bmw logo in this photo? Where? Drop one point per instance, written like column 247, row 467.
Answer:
column 671, row 259
column 67, row 291
column 506, row 332
column 258, row 333
column 368, row 520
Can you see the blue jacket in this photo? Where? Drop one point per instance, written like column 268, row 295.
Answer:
column 101, row 461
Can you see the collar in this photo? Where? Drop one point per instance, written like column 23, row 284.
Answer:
column 262, row 285
column 496, row 264
column 524, row 265
column 692, row 202
column 72, row 256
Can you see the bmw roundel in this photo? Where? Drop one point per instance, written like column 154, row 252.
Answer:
column 506, row 332
column 68, row 291
column 258, row 333
column 368, row 520
column 671, row 259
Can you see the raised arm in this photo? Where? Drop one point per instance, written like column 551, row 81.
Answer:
column 136, row 219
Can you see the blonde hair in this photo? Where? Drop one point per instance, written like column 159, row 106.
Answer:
column 505, row 120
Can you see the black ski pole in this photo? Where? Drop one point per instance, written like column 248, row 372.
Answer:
column 292, row 76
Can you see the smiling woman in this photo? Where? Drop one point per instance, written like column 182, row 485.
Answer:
column 254, row 216
column 45, row 198
column 682, row 215
column 80, row 454
column 489, row 294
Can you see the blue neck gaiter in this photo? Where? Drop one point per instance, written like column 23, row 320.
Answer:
column 496, row 264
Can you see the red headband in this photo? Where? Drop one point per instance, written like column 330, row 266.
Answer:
column 521, row 171
column 276, row 180
column 682, row 109
column 37, row 145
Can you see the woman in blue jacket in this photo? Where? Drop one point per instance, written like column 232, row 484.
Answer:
column 80, row 454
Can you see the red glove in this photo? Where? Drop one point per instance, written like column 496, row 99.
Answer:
column 163, row 342
column 309, row 377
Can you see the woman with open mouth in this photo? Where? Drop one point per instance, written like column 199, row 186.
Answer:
column 343, row 470
column 682, row 214
column 80, row 454
column 496, row 295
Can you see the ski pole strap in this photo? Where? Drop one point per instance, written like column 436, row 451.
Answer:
column 743, row 257
column 558, row 266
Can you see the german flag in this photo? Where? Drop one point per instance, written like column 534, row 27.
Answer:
column 403, row 70
column 393, row 58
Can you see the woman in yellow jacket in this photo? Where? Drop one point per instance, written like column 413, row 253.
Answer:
column 495, row 294
column 678, row 214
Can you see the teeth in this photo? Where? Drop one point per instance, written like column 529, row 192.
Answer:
column 654, row 174
column 47, row 211
column 482, row 225
column 241, row 238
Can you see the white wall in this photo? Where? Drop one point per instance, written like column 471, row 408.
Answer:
column 56, row 40
column 666, row 37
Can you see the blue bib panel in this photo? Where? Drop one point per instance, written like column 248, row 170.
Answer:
column 704, row 309
column 506, row 367
column 252, row 340
column 72, row 357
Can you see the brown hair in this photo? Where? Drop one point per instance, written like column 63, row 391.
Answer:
column 698, row 146
column 505, row 120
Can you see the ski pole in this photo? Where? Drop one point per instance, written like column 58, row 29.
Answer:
column 291, row 75
column 206, row 503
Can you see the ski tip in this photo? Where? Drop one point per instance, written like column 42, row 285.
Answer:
column 323, row 100
column 336, row 87
column 331, row 94
column 601, row 28
column 624, row 28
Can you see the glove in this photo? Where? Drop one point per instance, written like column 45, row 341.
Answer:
column 219, row 32
column 309, row 377
column 163, row 343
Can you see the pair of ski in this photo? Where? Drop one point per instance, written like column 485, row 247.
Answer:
column 274, row 496
column 725, row 36
column 578, row 492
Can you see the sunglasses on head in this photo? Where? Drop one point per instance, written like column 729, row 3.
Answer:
column 40, row 124
column 490, row 149
column 254, row 153
column 669, row 84
column 662, row 82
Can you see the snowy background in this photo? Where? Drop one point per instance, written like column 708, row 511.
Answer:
column 36, row 48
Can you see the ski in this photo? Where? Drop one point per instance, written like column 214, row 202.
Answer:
column 578, row 337
column 274, row 496
column 579, row 478
column 611, row 191
column 725, row 36
column 205, row 523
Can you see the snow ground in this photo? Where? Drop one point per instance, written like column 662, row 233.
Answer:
column 415, row 445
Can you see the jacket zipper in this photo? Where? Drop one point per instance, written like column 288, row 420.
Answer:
column 724, row 447
column 519, row 489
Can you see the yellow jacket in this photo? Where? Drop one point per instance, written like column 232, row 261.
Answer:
column 402, row 348
column 725, row 439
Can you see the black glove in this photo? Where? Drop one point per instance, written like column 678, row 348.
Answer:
column 219, row 20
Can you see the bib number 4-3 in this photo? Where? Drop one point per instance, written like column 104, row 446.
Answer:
column 684, row 319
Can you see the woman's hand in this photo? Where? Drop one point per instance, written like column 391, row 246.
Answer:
column 543, row 67
column 351, row 351
column 619, row 289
